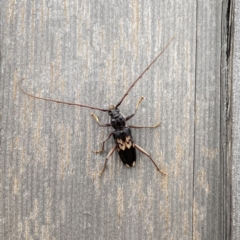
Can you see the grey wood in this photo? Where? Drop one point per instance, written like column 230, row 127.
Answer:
column 90, row 52
column 212, row 161
column 235, row 127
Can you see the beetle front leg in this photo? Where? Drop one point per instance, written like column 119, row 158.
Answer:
column 109, row 155
column 102, row 149
column 138, row 103
column 100, row 124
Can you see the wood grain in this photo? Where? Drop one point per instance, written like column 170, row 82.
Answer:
column 235, row 144
column 90, row 52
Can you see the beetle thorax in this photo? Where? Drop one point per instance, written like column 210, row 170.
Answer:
column 117, row 120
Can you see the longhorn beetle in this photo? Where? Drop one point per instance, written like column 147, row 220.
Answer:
column 122, row 134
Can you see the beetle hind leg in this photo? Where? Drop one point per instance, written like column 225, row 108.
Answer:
column 145, row 153
column 154, row 126
column 105, row 164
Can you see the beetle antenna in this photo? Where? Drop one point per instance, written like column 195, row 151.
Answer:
column 58, row 101
column 155, row 59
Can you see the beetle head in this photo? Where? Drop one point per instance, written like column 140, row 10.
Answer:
column 113, row 111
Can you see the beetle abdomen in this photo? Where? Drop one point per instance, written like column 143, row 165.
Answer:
column 125, row 146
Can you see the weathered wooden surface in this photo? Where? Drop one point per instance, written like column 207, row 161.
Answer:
column 90, row 52
column 236, row 126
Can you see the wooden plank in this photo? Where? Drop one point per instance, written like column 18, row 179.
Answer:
column 210, row 160
column 90, row 52
column 226, row 115
column 235, row 127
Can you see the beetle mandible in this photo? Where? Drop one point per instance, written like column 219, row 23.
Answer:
column 122, row 134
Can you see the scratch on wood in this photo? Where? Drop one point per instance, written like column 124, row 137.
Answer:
column 23, row 162
column 159, row 31
column 27, row 230
column 88, row 151
column 181, row 192
column 31, row 219
column 59, row 59
column 51, row 77
column 22, row 19
column 94, row 175
column 113, row 60
column 196, row 234
column 86, row 72
column 202, row 180
column 141, row 196
column 66, row 10
column 79, row 35
column 37, row 135
column 15, row 84
column 167, row 212
column 65, row 159
column 135, row 26
column 186, row 223
column 11, row 10
column 120, row 205
column 179, row 154
column 48, row 206
column 42, row 15
column 32, row 43
column 15, row 186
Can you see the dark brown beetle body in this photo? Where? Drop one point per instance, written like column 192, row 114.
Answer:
column 123, row 138
column 125, row 146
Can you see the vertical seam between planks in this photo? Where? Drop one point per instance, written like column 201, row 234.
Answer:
column 227, row 207
column 231, row 17
column 221, row 151
column 194, row 128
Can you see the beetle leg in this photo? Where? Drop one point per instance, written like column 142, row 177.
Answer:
column 102, row 149
column 138, row 103
column 154, row 126
column 109, row 155
column 145, row 153
column 96, row 119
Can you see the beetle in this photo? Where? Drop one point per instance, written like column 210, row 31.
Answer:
column 122, row 134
